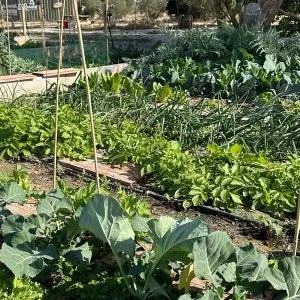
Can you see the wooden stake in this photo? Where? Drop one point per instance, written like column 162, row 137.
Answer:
column 106, row 31
column 105, row 17
column 24, row 20
column 88, row 92
column 8, row 37
column 57, row 94
column 42, row 18
column 297, row 229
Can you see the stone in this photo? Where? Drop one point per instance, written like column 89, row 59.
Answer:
column 252, row 13
column 21, row 40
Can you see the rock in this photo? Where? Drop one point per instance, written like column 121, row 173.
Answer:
column 21, row 40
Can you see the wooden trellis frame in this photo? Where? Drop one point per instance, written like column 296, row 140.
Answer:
column 87, row 91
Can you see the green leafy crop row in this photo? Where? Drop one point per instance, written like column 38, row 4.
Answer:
column 150, row 252
column 226, row 178
column 31, row 132
column 241, row 78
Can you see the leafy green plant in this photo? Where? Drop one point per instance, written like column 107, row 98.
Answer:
column 79, row 196
column 54, row 235
column 28, row 131
column 165, row 94
column 272, row 226
column 104, row 217
column 19, row 176
column 215, row 258
column 242, row 270
column 32, row 243
column 133, row 204
column 121, row 54
column 12, row 64
column 10, row 193
column 17, row 289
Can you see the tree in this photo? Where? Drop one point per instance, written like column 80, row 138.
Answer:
column 291, row 9
column 269, row 10
column 233, row 10
column 290, row 21
column 198, row 9
column 91, row 7
column 152, row 8
column 122, row 8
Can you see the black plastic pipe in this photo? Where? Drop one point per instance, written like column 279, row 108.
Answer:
column 146, row 192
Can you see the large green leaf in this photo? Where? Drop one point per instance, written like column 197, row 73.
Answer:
column 11, row 225
column 286, row 277
column 12, row 193
column 106, row 219
column 248, row 272
column 210, row 253
column 270, row 64
column 250, row 264
column 140, row 224
column 81, row 254
column 22, row 240
column 26, row 263
column 54, row 204
column 173, row 240
column 155, row 288
column 37, row 223
column 250, row 269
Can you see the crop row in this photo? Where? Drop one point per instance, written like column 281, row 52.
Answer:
column 226, row 177
column 40, row 245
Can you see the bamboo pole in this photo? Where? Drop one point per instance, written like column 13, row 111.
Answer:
column 106, row 31
column 42, row 16
column 24, row 20
column 57, row 94
column 8, row 36
column 297, row 229
column 105, row 17
column 88, row 92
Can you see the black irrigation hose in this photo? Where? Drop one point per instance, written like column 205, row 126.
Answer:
column 146, row 192
column 155, row 195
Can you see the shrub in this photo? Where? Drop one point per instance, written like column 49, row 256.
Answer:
column 152, row 8
column 11, row 62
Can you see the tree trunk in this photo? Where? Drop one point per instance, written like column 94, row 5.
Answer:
column 269, row 10
column 291, row 15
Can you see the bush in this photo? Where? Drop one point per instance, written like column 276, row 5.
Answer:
column 152, row 8
column 122, row 8
column 91, row 7
column 13, row 63
column 203, row 10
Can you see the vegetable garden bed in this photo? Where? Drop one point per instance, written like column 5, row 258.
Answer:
column 42, row 174
column 239, row 155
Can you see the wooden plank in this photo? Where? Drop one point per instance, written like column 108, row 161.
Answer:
column 23, row 210
column 16, row 78
column 53, row 73
column 127, row 175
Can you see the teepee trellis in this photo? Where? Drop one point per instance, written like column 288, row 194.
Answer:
column 87, row 91
column 297, row 228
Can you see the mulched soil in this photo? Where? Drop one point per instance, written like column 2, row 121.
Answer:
column 40, row 175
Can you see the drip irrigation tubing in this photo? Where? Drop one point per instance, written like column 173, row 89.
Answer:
column 143, row 191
